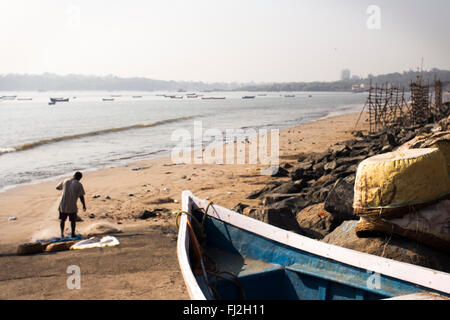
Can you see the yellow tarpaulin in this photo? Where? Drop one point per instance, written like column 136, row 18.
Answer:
column 401, row 178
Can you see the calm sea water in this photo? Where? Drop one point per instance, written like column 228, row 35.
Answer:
column 40, row 141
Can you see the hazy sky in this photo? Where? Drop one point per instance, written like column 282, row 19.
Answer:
column 226, row 40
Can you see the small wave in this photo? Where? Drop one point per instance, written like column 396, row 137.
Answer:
column 31, row 145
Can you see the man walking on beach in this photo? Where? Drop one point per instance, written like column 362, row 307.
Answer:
column 72, row 190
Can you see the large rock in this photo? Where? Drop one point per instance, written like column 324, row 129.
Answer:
column 326, row 180
column 240, row 207
column 389, row 247
column 282, row 218
column 389, row 139
column 278, row 171
column 292, row 204
column 339, row 150
column 283, row 213
column 315, row 222
column 330, row 166
column 277, row 197
column 317, row 157
column 287, row 187
column 146, row 214
column 258, row 193
column 257, row 214
column 299, row 171
column 320, row 195
column 339, row 201
column 350, row 161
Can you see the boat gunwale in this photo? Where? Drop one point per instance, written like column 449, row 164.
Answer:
column 425, row 277
column 194, row 290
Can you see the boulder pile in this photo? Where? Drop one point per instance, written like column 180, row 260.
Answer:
column 325, row 177
column 317, row 198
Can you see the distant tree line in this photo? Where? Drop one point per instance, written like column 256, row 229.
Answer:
column 400, row 79
column 53, row 82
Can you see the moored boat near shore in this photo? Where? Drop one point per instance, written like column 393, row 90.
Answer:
column 8, row 97
column 59, row 99
column 235, row 256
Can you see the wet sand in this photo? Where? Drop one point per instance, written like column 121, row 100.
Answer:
column 145, row 263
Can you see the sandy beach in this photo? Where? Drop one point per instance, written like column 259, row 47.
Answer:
column 154, row 184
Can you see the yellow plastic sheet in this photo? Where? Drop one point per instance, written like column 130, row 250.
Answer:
column 444, row 148
column 401, row 178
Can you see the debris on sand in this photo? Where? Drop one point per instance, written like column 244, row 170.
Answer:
column 147, row 214
column 60, row 246
column 30, row 248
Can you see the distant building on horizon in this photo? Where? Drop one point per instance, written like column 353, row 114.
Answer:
column 345, row 74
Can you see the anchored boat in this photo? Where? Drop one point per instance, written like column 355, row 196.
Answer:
column 59, row 100
column 227, row 255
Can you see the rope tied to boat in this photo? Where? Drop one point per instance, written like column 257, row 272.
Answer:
column 199, row 254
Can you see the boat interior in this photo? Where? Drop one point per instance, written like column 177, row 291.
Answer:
column 243, row 265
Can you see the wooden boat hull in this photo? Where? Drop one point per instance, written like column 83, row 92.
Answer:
column 271, row 263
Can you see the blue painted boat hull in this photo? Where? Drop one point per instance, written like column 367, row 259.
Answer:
column 245, row 264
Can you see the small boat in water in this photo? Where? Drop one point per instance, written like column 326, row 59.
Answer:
column 213, row 98
column 226, row 255
column 289, row 95
column 248, row 97
column 59, row 99
column 108, row 99
column 137, row 97
column 24, row 99
column 8, row 97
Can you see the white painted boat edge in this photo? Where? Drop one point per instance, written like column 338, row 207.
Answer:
column 194, row 291
column 429, row 278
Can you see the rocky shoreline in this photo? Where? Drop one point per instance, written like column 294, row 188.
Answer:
column 314, row 196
